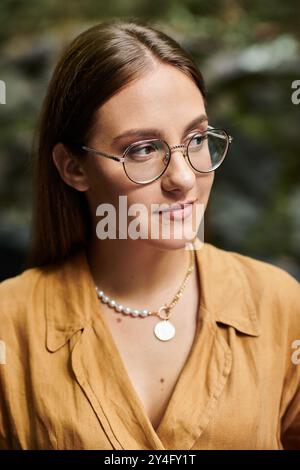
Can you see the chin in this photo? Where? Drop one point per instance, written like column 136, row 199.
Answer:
column 159, row 232
column 175, row 234
column 174, row 239
column 163, row 244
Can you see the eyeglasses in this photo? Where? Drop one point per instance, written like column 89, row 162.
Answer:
column 145, row 161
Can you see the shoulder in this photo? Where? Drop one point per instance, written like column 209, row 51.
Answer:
column 19, row 296
column 274, row 293
column 259, row 275
column 25, row 298
column 19, row 283
column 16, row 290
column 269, row 282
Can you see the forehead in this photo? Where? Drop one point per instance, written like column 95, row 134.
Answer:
column 160, row 96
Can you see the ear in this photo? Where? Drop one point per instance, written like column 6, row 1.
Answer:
column 69, row 168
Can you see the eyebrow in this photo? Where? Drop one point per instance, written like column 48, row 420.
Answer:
column 152, row 132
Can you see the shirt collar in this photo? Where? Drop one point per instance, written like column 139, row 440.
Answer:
column 225, row 290
column 70, row 294
column 69, row 298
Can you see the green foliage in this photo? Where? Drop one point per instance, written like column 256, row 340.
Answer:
column 248, row 52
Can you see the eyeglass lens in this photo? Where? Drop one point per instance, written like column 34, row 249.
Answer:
column 147, row 161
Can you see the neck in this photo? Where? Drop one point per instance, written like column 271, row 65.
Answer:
column 132, row 270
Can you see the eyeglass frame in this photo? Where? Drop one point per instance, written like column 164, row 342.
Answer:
column 121, row 159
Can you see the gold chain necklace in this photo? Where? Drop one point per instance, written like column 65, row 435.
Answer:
column 164, row 330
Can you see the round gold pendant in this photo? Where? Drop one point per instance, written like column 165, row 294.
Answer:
column 164, row 330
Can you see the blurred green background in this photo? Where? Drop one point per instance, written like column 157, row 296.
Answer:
column 248, row 52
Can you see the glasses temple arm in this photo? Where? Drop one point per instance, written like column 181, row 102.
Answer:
column 103, row 154
column 210, row 128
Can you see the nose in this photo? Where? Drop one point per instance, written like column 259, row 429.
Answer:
column 179, row 175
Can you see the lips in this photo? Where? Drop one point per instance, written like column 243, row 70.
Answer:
column 176, row 206
column 179, row 214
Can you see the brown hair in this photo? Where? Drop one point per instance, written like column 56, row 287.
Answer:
column 96, row 65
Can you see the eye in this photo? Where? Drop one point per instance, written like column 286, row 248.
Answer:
column 143, row 151
column 144, row 148
column 201, row 131
column 197, row 140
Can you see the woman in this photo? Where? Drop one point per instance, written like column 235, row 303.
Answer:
column 117, row 341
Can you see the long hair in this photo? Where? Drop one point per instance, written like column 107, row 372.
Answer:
column 96, row 65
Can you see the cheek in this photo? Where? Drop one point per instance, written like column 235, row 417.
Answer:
column 142, row 195
column 145, row 197
column 205, row 182
column 110, row 185
column 107, row 181
column 204, row 185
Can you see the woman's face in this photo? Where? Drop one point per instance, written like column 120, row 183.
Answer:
column 166, row 100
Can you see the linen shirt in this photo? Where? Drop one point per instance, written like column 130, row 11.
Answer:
column 63, row 384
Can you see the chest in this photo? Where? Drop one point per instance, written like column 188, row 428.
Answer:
column 153, row 367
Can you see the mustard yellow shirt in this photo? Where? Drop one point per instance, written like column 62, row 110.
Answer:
column 63, row 384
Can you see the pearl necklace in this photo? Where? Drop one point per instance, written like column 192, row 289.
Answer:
column 164, row 330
